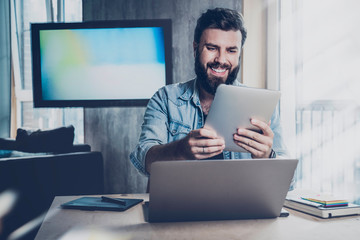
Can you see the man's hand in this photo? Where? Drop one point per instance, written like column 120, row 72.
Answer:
column 259, row 145
column 201, row 143
column 198, row 144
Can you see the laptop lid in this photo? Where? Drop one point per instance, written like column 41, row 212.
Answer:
column 218, row 189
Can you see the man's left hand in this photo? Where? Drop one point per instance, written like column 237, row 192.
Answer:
column 259, row 145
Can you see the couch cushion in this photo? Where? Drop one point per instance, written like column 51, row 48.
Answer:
column 54, row 140
column 8, row 144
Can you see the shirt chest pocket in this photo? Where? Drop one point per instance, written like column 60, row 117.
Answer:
column 177, row 130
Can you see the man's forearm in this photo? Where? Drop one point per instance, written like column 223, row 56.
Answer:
column 164, row 152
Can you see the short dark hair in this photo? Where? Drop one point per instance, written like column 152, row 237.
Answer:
column 220, row 18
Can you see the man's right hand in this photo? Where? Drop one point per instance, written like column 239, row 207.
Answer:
column 200, row 144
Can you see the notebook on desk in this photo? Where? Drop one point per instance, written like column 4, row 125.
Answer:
column 218, row 189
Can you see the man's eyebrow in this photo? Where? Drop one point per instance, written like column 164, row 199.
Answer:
column 233, row 48
column 211, row 45
column 216, row 46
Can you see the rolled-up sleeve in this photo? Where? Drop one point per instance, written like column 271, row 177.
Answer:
column 153, row 130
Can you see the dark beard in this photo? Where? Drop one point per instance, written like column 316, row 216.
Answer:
column 210, row 84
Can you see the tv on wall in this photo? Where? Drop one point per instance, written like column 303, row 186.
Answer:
column 102, row 63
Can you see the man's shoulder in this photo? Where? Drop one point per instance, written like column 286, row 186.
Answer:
column 179, row 86
column 177, row 90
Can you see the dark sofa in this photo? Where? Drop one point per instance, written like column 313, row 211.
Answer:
column 39, row 177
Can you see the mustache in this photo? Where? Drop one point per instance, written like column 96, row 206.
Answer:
column 219, row 65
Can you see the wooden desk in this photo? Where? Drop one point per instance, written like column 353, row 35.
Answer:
column 131, row 224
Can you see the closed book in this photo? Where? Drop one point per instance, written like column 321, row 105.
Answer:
column 326, row 199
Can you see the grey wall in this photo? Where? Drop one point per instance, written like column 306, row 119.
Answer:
column 115, row 131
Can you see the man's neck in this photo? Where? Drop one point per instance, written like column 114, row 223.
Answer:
column 205, row 100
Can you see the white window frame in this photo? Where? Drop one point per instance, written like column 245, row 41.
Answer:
column 25, row 95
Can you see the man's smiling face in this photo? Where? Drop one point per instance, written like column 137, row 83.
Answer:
column 217, row 58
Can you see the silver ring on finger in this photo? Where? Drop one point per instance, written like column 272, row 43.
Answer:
column 203, row 149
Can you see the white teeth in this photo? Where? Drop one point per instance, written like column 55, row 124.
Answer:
column 219, row 70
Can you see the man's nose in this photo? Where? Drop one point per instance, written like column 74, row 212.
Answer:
column 221, row 57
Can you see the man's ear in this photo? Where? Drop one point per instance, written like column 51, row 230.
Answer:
column 195, row 48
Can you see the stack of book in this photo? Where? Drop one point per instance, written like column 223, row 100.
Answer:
column 327, row 201
column 321, row 205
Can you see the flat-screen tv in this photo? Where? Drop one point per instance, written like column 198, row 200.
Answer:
column 102, row 63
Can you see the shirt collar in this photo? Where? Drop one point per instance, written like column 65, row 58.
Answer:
column 192, row 92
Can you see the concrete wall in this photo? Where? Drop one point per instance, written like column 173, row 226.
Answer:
column 115, row 131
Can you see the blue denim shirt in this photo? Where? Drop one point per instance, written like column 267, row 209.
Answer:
column 173, row 112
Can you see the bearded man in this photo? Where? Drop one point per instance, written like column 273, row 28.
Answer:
column 175, row 115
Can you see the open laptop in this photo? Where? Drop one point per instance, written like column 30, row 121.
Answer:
column 218, row 189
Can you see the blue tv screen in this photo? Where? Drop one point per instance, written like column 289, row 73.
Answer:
column 94, row 64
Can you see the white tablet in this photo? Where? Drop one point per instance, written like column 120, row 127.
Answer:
column 234, row 106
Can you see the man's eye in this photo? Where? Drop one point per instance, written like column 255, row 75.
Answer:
column 211, row 48
column 233, row 51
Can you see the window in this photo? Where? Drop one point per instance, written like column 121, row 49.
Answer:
column 23, row 13
column 319, row 79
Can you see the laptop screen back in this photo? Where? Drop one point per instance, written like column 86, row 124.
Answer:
column 218, row 189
